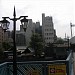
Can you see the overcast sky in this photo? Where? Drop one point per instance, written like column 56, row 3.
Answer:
column 62, row 11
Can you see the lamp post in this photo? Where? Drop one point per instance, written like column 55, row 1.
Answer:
column 68, row 42
column 5, row 24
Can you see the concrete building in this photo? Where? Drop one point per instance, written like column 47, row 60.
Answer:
column 38, row 28
column 55, row 37
column 20, row 38
column 48, row 31
column 21, row 28
column 8, row 37
column 32, row 28
column 29, row 31
column 4, row 36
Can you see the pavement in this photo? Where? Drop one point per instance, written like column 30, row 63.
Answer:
column 74, row 61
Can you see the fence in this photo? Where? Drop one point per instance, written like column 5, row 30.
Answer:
column 57, row 67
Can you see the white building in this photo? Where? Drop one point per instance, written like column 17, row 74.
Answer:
column 29, row 31
column 47, row 29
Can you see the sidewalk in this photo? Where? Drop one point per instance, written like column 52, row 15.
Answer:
column 74, row 62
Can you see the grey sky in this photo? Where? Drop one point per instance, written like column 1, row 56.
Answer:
column 62, row 12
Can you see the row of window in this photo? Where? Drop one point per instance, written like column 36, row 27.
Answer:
column 48, row 25
column 1, row 39
column 1, row 33
column 49, row 38
column 48, row 29
column 1, row 36
column 48, row 34
column 48, row 19
column 49, row 42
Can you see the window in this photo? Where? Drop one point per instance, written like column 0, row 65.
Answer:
column 45, row 33
column 49, row 37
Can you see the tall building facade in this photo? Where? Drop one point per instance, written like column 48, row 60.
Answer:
column 32, row 28
column 48, row 31
column 29, row 31
column 38, row 28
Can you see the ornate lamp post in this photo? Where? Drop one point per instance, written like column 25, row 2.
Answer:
column 5, row 24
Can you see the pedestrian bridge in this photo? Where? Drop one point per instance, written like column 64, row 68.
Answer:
column 56, row 67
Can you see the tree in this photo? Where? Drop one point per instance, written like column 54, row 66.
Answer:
column 36, row 43
column 6, row 45
column 60, row 41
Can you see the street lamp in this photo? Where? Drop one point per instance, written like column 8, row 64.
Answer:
column 24, row 24
column 5, row 24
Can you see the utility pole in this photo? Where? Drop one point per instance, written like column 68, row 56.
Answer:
column 71, row 25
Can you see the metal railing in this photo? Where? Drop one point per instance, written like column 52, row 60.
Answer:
column 39, row 67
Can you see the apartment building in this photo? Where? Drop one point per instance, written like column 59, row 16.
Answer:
column 5, row 36
column 48, row 31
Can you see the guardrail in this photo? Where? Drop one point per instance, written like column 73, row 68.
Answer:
column 57, row 67
column 3, row 69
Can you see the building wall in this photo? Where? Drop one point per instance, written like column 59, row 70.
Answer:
column 29, row 31
column 5, row 36
column 55, row 36
column 38, row 28
column 20, row 38
column 21, row 28
column 1, row 35
column 47, row 29
column 37, row 24
column 32, row 28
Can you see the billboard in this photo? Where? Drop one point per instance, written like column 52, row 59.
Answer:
column 57, row 69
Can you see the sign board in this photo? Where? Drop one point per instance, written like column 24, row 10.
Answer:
column 57, row 69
